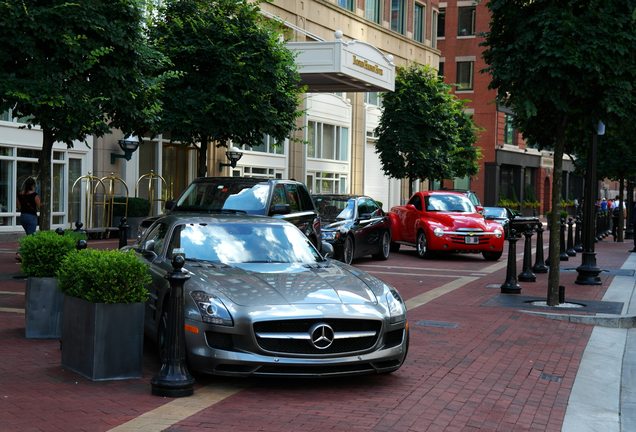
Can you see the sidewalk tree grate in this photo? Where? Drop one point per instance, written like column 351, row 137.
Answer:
column 549, row 377
column 440, row 324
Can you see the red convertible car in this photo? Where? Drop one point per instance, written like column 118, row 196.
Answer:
column 444, row 221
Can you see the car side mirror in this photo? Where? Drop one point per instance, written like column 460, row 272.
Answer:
column 148, row 248
column 170, row 204
column 280, row 209
column 365, row 216
column 479, row 209
column 326, row 249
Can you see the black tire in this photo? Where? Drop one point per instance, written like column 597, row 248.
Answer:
column 491, row 256
column 421, row 245
column 385, row 247
column 348, row 250
column 395, row 247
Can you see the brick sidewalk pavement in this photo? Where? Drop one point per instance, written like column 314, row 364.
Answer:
column 473, row 365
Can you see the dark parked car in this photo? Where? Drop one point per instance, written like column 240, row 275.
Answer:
column 263, row 301
column 503, row 215
column 354, row 225
column 284, row 199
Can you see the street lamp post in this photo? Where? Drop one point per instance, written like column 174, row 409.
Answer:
column 588, row 271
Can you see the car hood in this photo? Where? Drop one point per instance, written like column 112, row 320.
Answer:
column 458, row 220
column 288, row 284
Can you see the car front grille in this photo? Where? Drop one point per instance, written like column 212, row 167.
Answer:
column 295, row 336
column 461, row 239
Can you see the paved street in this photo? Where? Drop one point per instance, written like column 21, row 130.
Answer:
column 478, row 361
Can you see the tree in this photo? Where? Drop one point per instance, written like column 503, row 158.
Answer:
column 561, row 66
column 423, row 131
column 237, row 81
column 75, row 69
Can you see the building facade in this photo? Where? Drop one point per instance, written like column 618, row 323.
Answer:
column 510, row 170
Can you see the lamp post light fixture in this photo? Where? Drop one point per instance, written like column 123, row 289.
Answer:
column 129, row 144
column 233, row 155
column 588, row 271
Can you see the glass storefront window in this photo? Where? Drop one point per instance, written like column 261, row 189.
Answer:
column 28, row 153
column 6, row 151
column 58, row 188
column 75, row 196
column 7, row 190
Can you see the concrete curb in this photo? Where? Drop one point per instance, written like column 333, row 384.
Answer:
column 615, row 321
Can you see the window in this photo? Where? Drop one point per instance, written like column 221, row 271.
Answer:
column 419, row 18
column 346, row 4
column 434, row 28
column 441, row 23
column 508, row 129
column 465, row 75
column 267, row 145
column 373, row 98
column 372, row 10
column 397, row 15
column 327, row 141
column 440, row 69
column 328, row 182
column 466, row 21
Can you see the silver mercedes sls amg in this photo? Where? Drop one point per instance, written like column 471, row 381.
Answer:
column 262, row 301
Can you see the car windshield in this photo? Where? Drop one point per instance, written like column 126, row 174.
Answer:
column 449, row 203
column 496, row 212
column 331, row 208
column 216, row 196
column 244, row 242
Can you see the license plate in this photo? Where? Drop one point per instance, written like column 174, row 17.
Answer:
column 471, row 240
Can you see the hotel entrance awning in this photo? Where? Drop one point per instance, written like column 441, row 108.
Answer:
column 340, row 66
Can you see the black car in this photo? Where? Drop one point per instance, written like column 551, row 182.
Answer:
column 355, row 225
column 285, row 199
column 503, row 215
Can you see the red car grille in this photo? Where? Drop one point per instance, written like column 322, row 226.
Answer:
column 461, row 239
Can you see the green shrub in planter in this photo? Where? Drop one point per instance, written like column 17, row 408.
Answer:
column 104, row 276
column 43, row 252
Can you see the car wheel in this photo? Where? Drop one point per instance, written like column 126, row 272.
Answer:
column 347, row 250
column 491, row 256
column 385, row 247
column 395, row 247
column 421, row 245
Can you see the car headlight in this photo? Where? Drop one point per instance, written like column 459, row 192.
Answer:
column 212, row 309
column 438, row 232
column 498, row 233
column 329, row 235
column 397, row 309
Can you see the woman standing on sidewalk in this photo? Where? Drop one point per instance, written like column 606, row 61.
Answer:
column 28, row 206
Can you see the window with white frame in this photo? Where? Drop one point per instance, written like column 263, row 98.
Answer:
column 373, row 98
column 434, row 18
column 268, row 145
column 323, row 182
column 466, row 21
column 419, row 20
column 327, row 141
column 398, row 10
column 464, row 79
column 372, row 10
column 440, row 22
column 262, row 172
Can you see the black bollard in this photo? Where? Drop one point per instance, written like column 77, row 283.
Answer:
column 526, row 274
column 81, row 244
column 563, row 256
column 539, row 263
column 510, row 286
column 578, row 246
column 174, row 380
column 123, row 232
column 570, row 250
column 59, row 231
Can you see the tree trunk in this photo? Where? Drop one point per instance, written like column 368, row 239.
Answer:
column 203, row 158
column 44, row 178
column 554, row 223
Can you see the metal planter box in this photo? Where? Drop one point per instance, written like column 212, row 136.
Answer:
column 43, row 308
column 103, row 341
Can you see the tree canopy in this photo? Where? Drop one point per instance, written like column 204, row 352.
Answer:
column 562, row 66
column 237, row 80
column 76, row 69
column 423, row 131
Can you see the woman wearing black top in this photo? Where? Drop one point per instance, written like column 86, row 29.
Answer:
column 28, row 206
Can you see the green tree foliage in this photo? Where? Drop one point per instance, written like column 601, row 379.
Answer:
column 76, row 69
column 423, row 132
column 237, row 79
column 562, row 66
